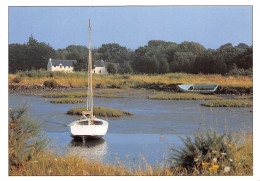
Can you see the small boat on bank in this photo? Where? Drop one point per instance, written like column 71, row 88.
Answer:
column 88, row 126
column 198, row 88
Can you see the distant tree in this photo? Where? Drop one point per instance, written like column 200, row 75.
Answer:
column 111, row 69
column 163, row 66
column 242, row 46
column 226, row 45
column 30, row 55
column 182, row 62
column 192, row 47
column 113, row 52
column 125, row 69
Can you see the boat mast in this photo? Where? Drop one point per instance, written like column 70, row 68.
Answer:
column 90, row 92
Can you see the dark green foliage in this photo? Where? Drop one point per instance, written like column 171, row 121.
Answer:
column 25, row 137
column 125, row 69
column 204, row 148
column 51, row 84
column 111, row 69
column 30, row 55
column 235, row 71
column 157, row 57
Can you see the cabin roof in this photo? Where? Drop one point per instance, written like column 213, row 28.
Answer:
column 57, row 62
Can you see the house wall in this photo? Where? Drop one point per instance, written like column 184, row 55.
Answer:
column 62, row 68
column 100, row 70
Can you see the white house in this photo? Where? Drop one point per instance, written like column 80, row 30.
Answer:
column 61, row 65
column 100, row 67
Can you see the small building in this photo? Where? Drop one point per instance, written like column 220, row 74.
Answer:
column 100, row 67
column 61, row 65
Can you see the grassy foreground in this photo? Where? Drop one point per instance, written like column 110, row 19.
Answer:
column 228, row 103
column 100, row 111
column 79, row 79
column 184, row 96
column 49, row 164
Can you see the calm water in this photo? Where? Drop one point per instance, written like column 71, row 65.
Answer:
column 154, row 125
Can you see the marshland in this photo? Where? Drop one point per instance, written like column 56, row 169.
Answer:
column 138, row 142
column 154, row 129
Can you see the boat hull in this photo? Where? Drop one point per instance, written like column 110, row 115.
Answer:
column 79, row 130
column 198, row 88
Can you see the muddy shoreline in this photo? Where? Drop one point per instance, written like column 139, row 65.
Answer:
column 30, row 87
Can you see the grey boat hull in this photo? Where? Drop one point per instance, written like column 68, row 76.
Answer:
column 198, row 88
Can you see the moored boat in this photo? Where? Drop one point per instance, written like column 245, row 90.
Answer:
column 88, row 126
column 198, row 88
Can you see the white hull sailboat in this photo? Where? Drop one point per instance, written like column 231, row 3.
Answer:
column 88, row 126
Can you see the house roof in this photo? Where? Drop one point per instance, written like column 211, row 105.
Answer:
column 63, row 62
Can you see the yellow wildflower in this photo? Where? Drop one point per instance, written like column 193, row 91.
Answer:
column 205, row 164
column 215, row 166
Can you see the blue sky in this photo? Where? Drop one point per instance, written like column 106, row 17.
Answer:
column 211, row 26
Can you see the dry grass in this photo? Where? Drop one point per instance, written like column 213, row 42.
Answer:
column 135, row 81
column 228, row 103
column 69, row 100
column 100, row 111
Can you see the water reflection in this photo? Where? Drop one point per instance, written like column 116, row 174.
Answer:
column 93, row 150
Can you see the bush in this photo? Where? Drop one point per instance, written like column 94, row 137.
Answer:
column 51, row 84
column 25, row 137
column 208, row 149
column 17, row 80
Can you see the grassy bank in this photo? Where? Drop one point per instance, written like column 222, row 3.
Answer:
column 76, row 95
column 100, row 111
column 163, row 82
column 67, row 101
column 184, row 96
column 228, row 103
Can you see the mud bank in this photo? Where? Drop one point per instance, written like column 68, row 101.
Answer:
column 13, row 87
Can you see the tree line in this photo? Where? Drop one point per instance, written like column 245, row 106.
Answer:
column 157, row 57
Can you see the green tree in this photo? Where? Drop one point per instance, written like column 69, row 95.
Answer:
column 111, row 69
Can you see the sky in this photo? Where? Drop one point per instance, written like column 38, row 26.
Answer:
column 132, row 26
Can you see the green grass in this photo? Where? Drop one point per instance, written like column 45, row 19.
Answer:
column 184, row 96
column 70, row 100
column 100, row 111
column 76, row 95
column 244, row 97
column 229, row 103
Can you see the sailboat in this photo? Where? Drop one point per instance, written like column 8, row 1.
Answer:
column 88, row 126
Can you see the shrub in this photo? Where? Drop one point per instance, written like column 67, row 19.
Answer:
column 208, row 149
column 51, row 84
column 17, row 80
column 25, row 137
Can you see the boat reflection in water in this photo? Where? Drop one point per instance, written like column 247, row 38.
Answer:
column 92, row 150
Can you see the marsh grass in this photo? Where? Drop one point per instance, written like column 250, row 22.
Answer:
column 79, row 79
column 228, row 103
column 100, row 111
column 184, row 96
column 76, row 95
column 69, row 100
column 244, row 97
